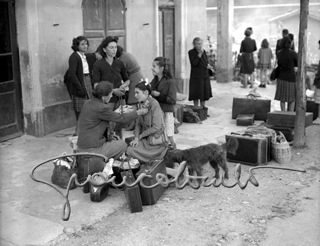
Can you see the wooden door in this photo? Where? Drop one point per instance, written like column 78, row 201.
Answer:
column 166, row 21
column 11, row 124
column 102, row 18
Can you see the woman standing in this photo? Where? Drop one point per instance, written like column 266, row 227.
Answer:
column 164, row 90
column 148, row 125
column 111, row 69
column 248, row 46
column 286, row 81
column 79, row 72
column 265, row 55
column 133, row 70
column 199, row 87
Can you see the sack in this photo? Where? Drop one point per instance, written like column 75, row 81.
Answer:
column 281, row 150
column 62, row 172
column 258, row 106
column 160, row 140
column 189, row 116
column 275, row 73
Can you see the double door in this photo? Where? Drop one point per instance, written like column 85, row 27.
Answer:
column 102, row 18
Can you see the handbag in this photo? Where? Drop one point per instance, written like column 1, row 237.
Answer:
column 258, row 106
column 157, row 140
column 275, row 72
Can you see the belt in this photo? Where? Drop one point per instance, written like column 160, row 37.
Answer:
column 86, row 74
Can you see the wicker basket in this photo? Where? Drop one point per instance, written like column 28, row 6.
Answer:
column 281, row 150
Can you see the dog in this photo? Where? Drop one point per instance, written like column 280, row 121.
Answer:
column 196, row 157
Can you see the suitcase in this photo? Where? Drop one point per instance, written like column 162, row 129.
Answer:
column 245, row 120
column 288, row 132
column 132, row 194
column 258, row 106
column 151, row 196
column 262, row 132
column 88, row 165
column 200, row 110
column 178, row 113
column 252, row 150
column 285, row 118
column 98, row 193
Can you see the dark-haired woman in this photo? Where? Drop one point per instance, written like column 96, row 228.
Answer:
column 286, row 81
column 94, row 121
column 265, row 56
column 164, row 90
column 199, row 87
column 111, row 69
column 79, row 73
column 248, row 46
column 147, row 125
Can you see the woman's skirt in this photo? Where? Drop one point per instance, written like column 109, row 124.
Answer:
column 200, row 89
column 247, row 63
column 264, row 65
column 286, row 91
column 77, row 102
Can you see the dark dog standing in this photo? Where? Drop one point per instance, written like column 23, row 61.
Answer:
column 196, row 157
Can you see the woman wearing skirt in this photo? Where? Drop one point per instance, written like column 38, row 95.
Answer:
column 286, row 81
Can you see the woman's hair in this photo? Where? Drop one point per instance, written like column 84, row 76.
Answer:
column 265, row 43
column 248, row 32
column 119, row 51
column 285, row 42
column 165, row 63
column 196, row 40
column 76, row 41
column 105, row 43
column 144, row 86
column 104, row 88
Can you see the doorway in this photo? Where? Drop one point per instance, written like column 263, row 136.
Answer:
column 102, row 18
column 166, row 35
column 11, row 123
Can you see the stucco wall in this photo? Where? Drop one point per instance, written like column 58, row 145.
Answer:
column 45, row 31
column 142, row 33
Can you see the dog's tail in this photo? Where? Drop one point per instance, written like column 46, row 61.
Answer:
column 231, row 145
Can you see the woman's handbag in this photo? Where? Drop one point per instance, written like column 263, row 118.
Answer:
column 275, row 72
column 281, row 150
column 157, row 139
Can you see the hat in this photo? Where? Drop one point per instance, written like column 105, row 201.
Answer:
column 108, row 40
column 104, row 88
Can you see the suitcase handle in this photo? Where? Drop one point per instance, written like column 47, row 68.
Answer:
column 242, row 134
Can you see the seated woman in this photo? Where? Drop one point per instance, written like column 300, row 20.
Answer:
column 94, row 120
column 148, row 125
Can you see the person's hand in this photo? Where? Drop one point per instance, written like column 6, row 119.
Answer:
column 200, row 52
column 209, row 66
column 142, row 111
column 155, row 93
column 134, row 143
column 118, row 92
column 116, row 137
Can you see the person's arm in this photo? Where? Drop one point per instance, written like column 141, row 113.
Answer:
column 295, row 59
column 157, row 121
column 96, row 74
column 254, row 45
column 72, row 72
column 171, row 97
column 194, row 58
column 241, row 47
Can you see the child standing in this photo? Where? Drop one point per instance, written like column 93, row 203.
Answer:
column 264, row 55
column 164, row 90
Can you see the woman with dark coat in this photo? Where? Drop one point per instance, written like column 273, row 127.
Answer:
column 248, row 46
column 79, row 73
column 286, row 81
column 199, row 86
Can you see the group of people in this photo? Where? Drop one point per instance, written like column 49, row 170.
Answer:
column 100, row 82
column 286, row 60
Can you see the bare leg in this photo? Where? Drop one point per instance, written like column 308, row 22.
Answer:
column 203, row 103
column 174, row 146
column 245, row 82
column 261, row 76
column 291, row 106
column 283, row 106
column 196, row 102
